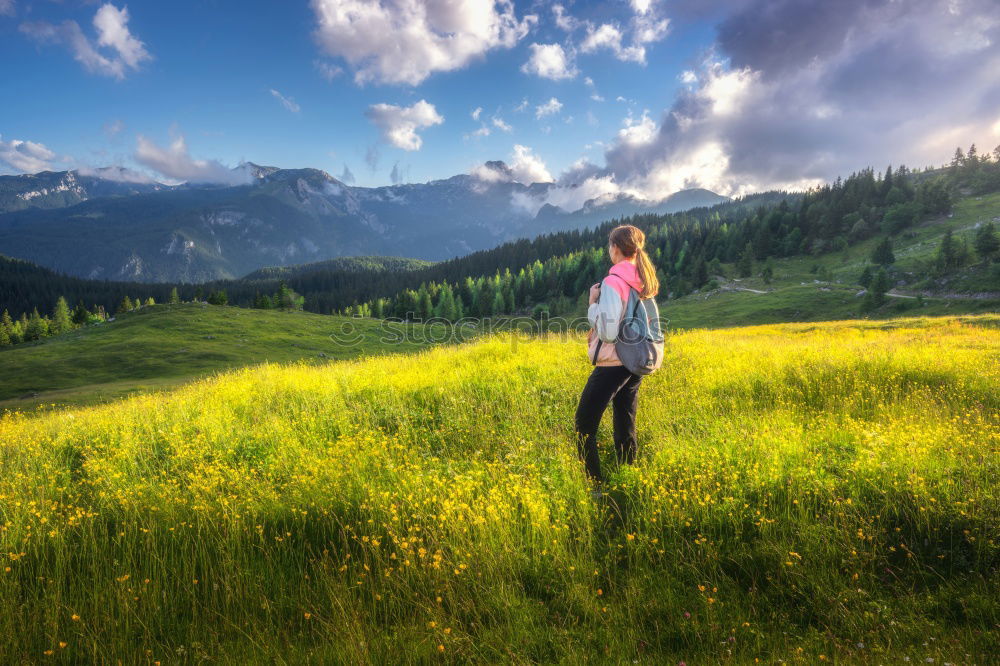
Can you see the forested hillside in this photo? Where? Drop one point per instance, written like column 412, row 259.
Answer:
column 860, row 224
column 327, row 286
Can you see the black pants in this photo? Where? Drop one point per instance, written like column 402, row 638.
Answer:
column 615, row 384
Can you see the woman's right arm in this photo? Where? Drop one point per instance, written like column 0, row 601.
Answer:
column 605, row 315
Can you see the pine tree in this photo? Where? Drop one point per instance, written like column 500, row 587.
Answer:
column 6, row 330
column 124, row 306
column 987, row 242
column 218, row 297
column 20, row 326
column 947, row 254
column 876, row 292
column 425, row 308
column 883, row 255
column 60, row 318
column 972, row 158
column 37, row 327
column 287, row 298
column 866, row 277
column 958, row 160
column 446, row 303
column 745, row 265
column 80, row 315
column 175, row 298
column 768, row 273
column 700, row 272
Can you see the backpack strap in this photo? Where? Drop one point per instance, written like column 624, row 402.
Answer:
column 619, row 285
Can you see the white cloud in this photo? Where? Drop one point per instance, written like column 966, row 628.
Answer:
column 405, row 41
column 475, row 114
column 112, row 31
column 527, row 167
column 175, row 162
column 563, row 20
column 117, row 174
column 647, row 28
column 572, row 197
column 327, row 70
column 113, row 35
column 399, row 124
column 6, row 7
column 548, row 108
column 609, row 36
column 499, row 123
column 26, row 156
column 641, row 6
column 594, row 95
column 286, row 102
column 549, row 61
column 636, row 132
column 522, row 106
column 479, row 133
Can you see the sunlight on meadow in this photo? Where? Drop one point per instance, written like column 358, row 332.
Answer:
column 803, row 492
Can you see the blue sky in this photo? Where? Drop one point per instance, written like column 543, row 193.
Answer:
column 656, row 95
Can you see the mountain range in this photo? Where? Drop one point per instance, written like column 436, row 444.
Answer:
column 112, row 224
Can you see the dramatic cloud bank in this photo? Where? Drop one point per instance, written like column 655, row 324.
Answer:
column 123, row 51
column 176, row 163
column 405, row 41
column 399, row 124
column 797, row 92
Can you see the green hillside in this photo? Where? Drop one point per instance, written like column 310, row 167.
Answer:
column 160, row 346
column 348, row 264
column 825, row 287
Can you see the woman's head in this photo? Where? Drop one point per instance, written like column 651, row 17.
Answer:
column 628, row 242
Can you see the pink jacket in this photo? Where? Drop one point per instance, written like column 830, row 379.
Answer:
column 606, row 314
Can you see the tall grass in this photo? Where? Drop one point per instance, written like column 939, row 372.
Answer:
column 803, row 492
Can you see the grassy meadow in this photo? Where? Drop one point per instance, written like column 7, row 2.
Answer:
column 804, row 493
column 161, row 346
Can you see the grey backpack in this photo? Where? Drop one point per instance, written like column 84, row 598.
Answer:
column 640, row 341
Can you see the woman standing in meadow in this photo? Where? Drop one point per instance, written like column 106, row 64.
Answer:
column 610, row 380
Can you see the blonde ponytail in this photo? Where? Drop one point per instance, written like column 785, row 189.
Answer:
column 647, row 273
